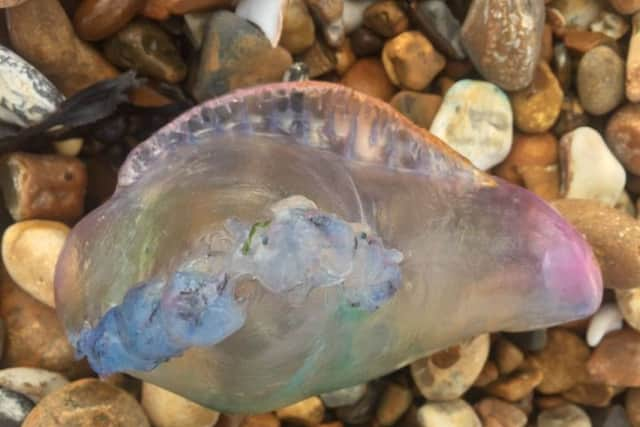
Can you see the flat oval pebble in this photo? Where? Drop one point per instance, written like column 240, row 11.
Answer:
column 99, row 19
column 30, row 251
column 87, row 403
column 450, row 380
column 434, row 18
column 167, row 409
column 14, row 407
column 564, row 416
column 26, row 95
column 386, row 18
column 600, row 80
column 475, row 119
column 32, row 382
column 456, row 413
column 623, row 136
column 612, row 234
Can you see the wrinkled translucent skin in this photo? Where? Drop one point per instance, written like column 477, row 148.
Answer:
column 475, row 254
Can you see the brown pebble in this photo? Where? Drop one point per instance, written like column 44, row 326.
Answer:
column 498, row 413
column 368, row 76
column 632, row 406
column 262, row 420
column 43, row 186
column 99, row 19
column 623, row 136
column 546, row 50
column 582, row 41
column 42, row 34
column 365, row 42
column 345, row 57
column 320, row 59
column 444, row 83
column 633, row 62
column 549, row 402
column 626, row 7
column 572, row 116
column 395, row 400
column 600, row 80
column 298, row 29
column 421, row 108
column 544, row 181
column 162, row 9
column 386, row 18
column 308, row 412
column 507, row 356
column 10, row 3
column 536, row 108
column 612, row 234
column 488, row 374
column 167, row 409
column 411, row 61
column 326, row 10
column 87, row 403
column 528, row 150
column 518, row 384
column 616, row 359
column 591, row 394
column 458, row 69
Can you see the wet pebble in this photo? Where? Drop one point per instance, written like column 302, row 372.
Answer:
column 368, row 76
column 600, row 80
column 167, row 409
column 308, row 412
column 421, row 108
column 99, row 19
column 615, row 359
column 14, row 407
column 475, row 119
column 623, row 136
column 528, row 150
column 607, row 319
column 498, row 413
column 344, row 396
column 456, row 413
column 632, row 85
column 298, row 29
column 386, row 18
column 32, row 382
column 564, row 416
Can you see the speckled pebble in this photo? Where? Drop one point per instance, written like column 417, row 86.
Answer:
column 32, row 382
column 600, row 80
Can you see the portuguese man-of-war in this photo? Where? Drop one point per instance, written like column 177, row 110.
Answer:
column 293, row 239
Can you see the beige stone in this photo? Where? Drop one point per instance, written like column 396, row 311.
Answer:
column 562, row 361
column 167, row 409
column 308, row 412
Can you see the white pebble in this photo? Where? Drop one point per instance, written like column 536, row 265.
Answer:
column 267, row 15
column 607, row 319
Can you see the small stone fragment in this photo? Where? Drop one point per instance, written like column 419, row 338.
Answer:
column 614, row 361
column 319, row 59
column 518, row 384
column 600, row 80
column 98, row 19
column 43, row 186
column 14, row 407
column 308, row 412
column 456, row 413
column 613, row 416
column 85, row 403
column 497, row 413
column 421, row 108
column 536, row 108
column 386, row 18
column 69, row 147
column 589, row 169
column 344, row 396
column 623, row 136
column 298, row 29
column 507, row 355
column 629, row 304
column 365, row 42
column 607, row 319
column 434, row 18
column 528, row 150
column 368, row 76
column 30, row 251
column 503, row 40
column 394, row 402
column 591, row 394
column 475, row 119
column 451, row 380
column 626, row 7
column 262, row 420
column 488, row 374
column 162, row 9
column 411, row 61
column 632, row 406
column 572, row 116
column 564, row 416
column 633, row 62
column 611, row 24
column 329, row 13
column 32, row 382
column 237, row 55
column 143, row 46
column 167, row 409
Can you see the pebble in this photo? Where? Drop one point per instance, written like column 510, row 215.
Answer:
column 411, row 60
column 87, row 403
column 600, row 80
column 43, row 186
column 30, row 252
column 37, row 97
column 98, row 19
column 345, row 57
column 475, row 119
column 329, row 14
column 550, row 402
column 564, row 416
column 42, row 34
column 386, row 18
column 395, row 401
column 421, row 108
column 607, row 319
column 308, row 412
column 632, row 406
column 450, row 378
column 590, row 170
column 353, row 13
column 69, row 147
column 238, row 55
column 632, row 85
column 623, row 136
column 167, row 409
column 498, row 413
column 613, row 416
column 488, row 374
column 368, row 76
column 572, row 116
column 629, row 304
column 591, row 394
column 162, row 9
column 507, row 355
column 626, row 7
column 528, row 150
column 344, row 396
column 298, row 29
column 365, row 42
column 456, row 413
column 131, row 385
column 268, row 16
column 612, row 234
column 544, row 181
column 582, row 41
column 32, row 382
column 434, row 18
column 519, row 384
column 320, row 59
column 504, row 45
column 262, row 420
column 537, row 107
column 534, row 340
column 14, row 407
column 615, row 359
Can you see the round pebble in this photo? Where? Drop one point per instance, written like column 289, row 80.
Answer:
column 564, row 416
column 600, row 80
column 456, row 413
column 14, row 407
column 32, row 382
column 30, row 251
column 365, row 42
column 623, row 136
column 167, row 409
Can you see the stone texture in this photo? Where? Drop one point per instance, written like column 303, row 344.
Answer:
column 488, row 374
column 626, row 7
column 162, row 9
column 507, row 356
column 14, row 407
column 591, row 394
column 98, row 19
column 582, row 41
column 572, row 116
column 612, row 235
column 497, row 413
column 320, row 59
column 544, row 181
column 614, row 361
column 368, row 76
column 610, row 24
column 345, row 58
column 32, row 382
column 607, row 319
column 394, row 402
column 308, row 412
column 629, row 304
column 364, row 409
column 365, row 42
column 528, row 150
column 87, row 403
column 329, row 14
column 536, row 108
column 442, row 28
column 448, row 380
column 623, row 136
column 600, row 80
column 517, row 385
column 421, row 108
column 564, row 416
column 298, row 29
column 575, row 13
column 386, row 18
column 503, row 39
column 632, row 84
column 456, row 413
column 167, row 409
